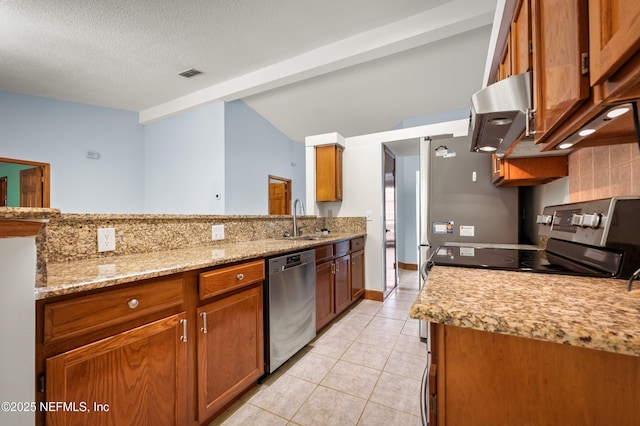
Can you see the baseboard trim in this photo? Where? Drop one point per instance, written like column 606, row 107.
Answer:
column 408, row 266
column 378, row 296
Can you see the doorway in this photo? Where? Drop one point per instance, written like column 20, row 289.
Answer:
column 389, row 200
column 279, row 195
column 27, row 183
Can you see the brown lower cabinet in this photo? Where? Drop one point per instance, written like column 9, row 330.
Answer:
column 338, row 283
column 175, row 350
column 485, row 378
column 230, row 349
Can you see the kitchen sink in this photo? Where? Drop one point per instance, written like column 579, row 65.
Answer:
column 303, row 237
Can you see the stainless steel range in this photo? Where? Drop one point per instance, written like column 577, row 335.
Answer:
column 598, row 238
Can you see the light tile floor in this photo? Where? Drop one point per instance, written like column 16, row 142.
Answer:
column 363, row 369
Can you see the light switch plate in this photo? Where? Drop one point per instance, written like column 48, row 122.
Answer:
column 106, row 239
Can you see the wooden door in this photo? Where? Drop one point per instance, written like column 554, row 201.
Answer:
column 277, row 198
column 342, row 283
column 325, row 310
column 614, row 35
column 279, row 195
column 230, row 349
column 504, row 70
column 357, row 274
column 560, row 42
column 3, row 192
column 136, row 377
column 31, row 187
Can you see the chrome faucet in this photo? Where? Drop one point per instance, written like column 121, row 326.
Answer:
column 296, row 231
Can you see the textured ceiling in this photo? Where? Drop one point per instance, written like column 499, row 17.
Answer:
column 308, row 66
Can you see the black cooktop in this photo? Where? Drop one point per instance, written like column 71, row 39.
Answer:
column 538, row 261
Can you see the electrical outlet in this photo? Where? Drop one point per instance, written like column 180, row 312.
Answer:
column 106, row 239
column 217, row 232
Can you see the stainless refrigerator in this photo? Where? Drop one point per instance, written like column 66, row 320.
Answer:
column 458, row 201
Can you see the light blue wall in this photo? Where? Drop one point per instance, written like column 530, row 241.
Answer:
column 185, row 163
column 407, row 246
column 60, row 133
column 254, row 150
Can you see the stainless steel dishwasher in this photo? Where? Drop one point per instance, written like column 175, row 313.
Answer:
column 290, row 315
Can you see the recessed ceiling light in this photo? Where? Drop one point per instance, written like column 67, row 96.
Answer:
column 565, row 145
column 500, row 121
column 617, row 112
column 487, row 148
column 586, row 132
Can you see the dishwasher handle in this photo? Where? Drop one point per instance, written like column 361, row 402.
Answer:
column 293, row 265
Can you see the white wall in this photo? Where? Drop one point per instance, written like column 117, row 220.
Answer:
column 17, row 334
column 363, row 182
column 185, row 163
column 60, row 133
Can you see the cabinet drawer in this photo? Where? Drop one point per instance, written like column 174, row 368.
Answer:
column 342, row 248
column 357, row 244
column 98, row 311
column 229, row 278
column 324, row 252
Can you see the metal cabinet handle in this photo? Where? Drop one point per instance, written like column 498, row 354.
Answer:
column 133, row 303
column 183, row 338
column 204, row 322
column 240, row 277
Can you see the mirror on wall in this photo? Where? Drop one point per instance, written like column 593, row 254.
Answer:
column 279, row 195
column 24, row 183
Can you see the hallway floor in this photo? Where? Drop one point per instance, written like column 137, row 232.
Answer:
column 363, row 369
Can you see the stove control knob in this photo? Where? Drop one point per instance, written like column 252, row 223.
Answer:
column 591, row 220
column 544, row 219
column 576, row 219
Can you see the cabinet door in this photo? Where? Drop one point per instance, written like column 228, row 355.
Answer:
column 325, row 310
column 614, row 35
column 136, row 377
column 357, row 274
column 230, row 349
column 343, row 283
column 505, row 70
column 560, row 42
column 329, row 173
column 520, row 36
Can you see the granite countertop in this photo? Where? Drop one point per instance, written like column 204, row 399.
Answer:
column 77, row 276
column 595, row 313
column 27, row 213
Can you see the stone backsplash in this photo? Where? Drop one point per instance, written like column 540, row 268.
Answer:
column 73, row 237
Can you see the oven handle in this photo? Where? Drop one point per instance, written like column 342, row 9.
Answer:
column 424, row 394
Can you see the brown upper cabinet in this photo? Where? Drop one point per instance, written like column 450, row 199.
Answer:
column 614, row 36
column 585, row 59
column 329, row 173
column 560, row 81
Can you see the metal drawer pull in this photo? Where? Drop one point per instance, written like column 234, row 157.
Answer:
column 240, row 277
column 133, row 303
column 204, row 322
column 183, row 338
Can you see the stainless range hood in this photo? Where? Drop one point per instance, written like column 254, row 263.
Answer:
column 499, row 114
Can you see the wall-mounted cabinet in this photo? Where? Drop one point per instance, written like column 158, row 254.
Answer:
column 585, row 57
column 528, row 171
column 329, row 173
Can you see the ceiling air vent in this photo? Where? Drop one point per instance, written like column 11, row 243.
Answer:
column 190, row 73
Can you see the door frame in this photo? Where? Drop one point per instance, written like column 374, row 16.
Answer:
column 387, row 153
column 46, row 173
